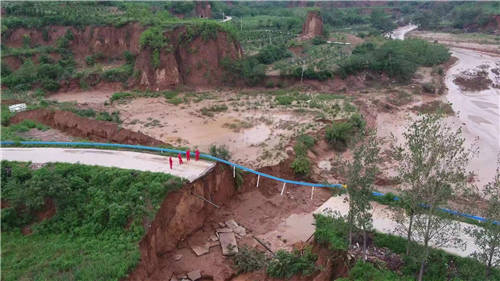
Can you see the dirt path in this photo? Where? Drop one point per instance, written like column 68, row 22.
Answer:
column 110, row 158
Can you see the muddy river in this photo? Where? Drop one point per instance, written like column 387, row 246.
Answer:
column 478, row 112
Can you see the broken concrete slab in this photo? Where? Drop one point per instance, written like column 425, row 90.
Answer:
column 228, row 243
column 177, row 257
column 213, row 238
column 241, row 231
column 221, row 224
column 194, row 275
column 200, row 250
column 225, row 229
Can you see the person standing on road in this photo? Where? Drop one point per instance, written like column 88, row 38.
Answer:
column 197, row 154
column 171, row 162
column 188, row 155
column 180, row 158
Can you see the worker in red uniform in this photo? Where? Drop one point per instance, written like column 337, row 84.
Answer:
column 197, row 154
column 188, row 155
column 171, row 162
column 180, row 158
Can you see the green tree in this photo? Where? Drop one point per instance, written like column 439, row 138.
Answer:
column 487, row 237
column 433, row 161
column 381, row 21
column 360, row 173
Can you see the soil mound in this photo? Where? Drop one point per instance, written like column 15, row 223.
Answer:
column 95, row 130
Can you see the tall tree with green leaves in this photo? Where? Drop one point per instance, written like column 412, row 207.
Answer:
column 487, row 237
column 433, row 162
column 361, row 172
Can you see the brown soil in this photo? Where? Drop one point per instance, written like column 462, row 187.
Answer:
column 74, row 125
column 47, row 135
column 185, row 220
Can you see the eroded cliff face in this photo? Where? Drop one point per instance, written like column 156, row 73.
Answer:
column 196, row 62
column 180, row 215
column 313, row 26
column 193, row 63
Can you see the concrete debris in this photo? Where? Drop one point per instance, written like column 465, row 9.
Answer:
column 231, row 224
column 240, row 230
column 221, row 224
column 213, row 238
column 177, row 257
column 228, row 243
column 173, row 279
column 222, row 230
column 200, row 250
column 194, row 275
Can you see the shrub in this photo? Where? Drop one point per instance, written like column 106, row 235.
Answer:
column 357, row 122
column 301, row 165
column 429, row 88
column 90, row 60
column 318, row 40
column 307, row 140
column 339, row 134
column 284, row 100
column 118, row 74
column 220, row 152
column 50, row 85
column 272, row 53
column 331, row 231
column 249, row 69
column 153, row 37
column 285, row 264
column 120, row 96
column 248, row 260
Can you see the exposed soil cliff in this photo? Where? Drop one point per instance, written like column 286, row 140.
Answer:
column 193, row 62
column 313, row 26
column 181, row 214
column 77, row 126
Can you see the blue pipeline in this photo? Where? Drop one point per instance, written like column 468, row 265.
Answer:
column 210, row 157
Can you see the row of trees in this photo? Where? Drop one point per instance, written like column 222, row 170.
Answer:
column 432, row 171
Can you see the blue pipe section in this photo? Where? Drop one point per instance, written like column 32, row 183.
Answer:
column 210, row 157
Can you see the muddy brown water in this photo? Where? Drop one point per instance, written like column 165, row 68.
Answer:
column 478, row 112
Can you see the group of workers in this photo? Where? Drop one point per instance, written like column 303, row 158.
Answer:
column 188, row 157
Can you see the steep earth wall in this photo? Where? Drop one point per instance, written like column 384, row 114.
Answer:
column 180, row 215
column 95, row 130
column 313, row 26
column 194, row 62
